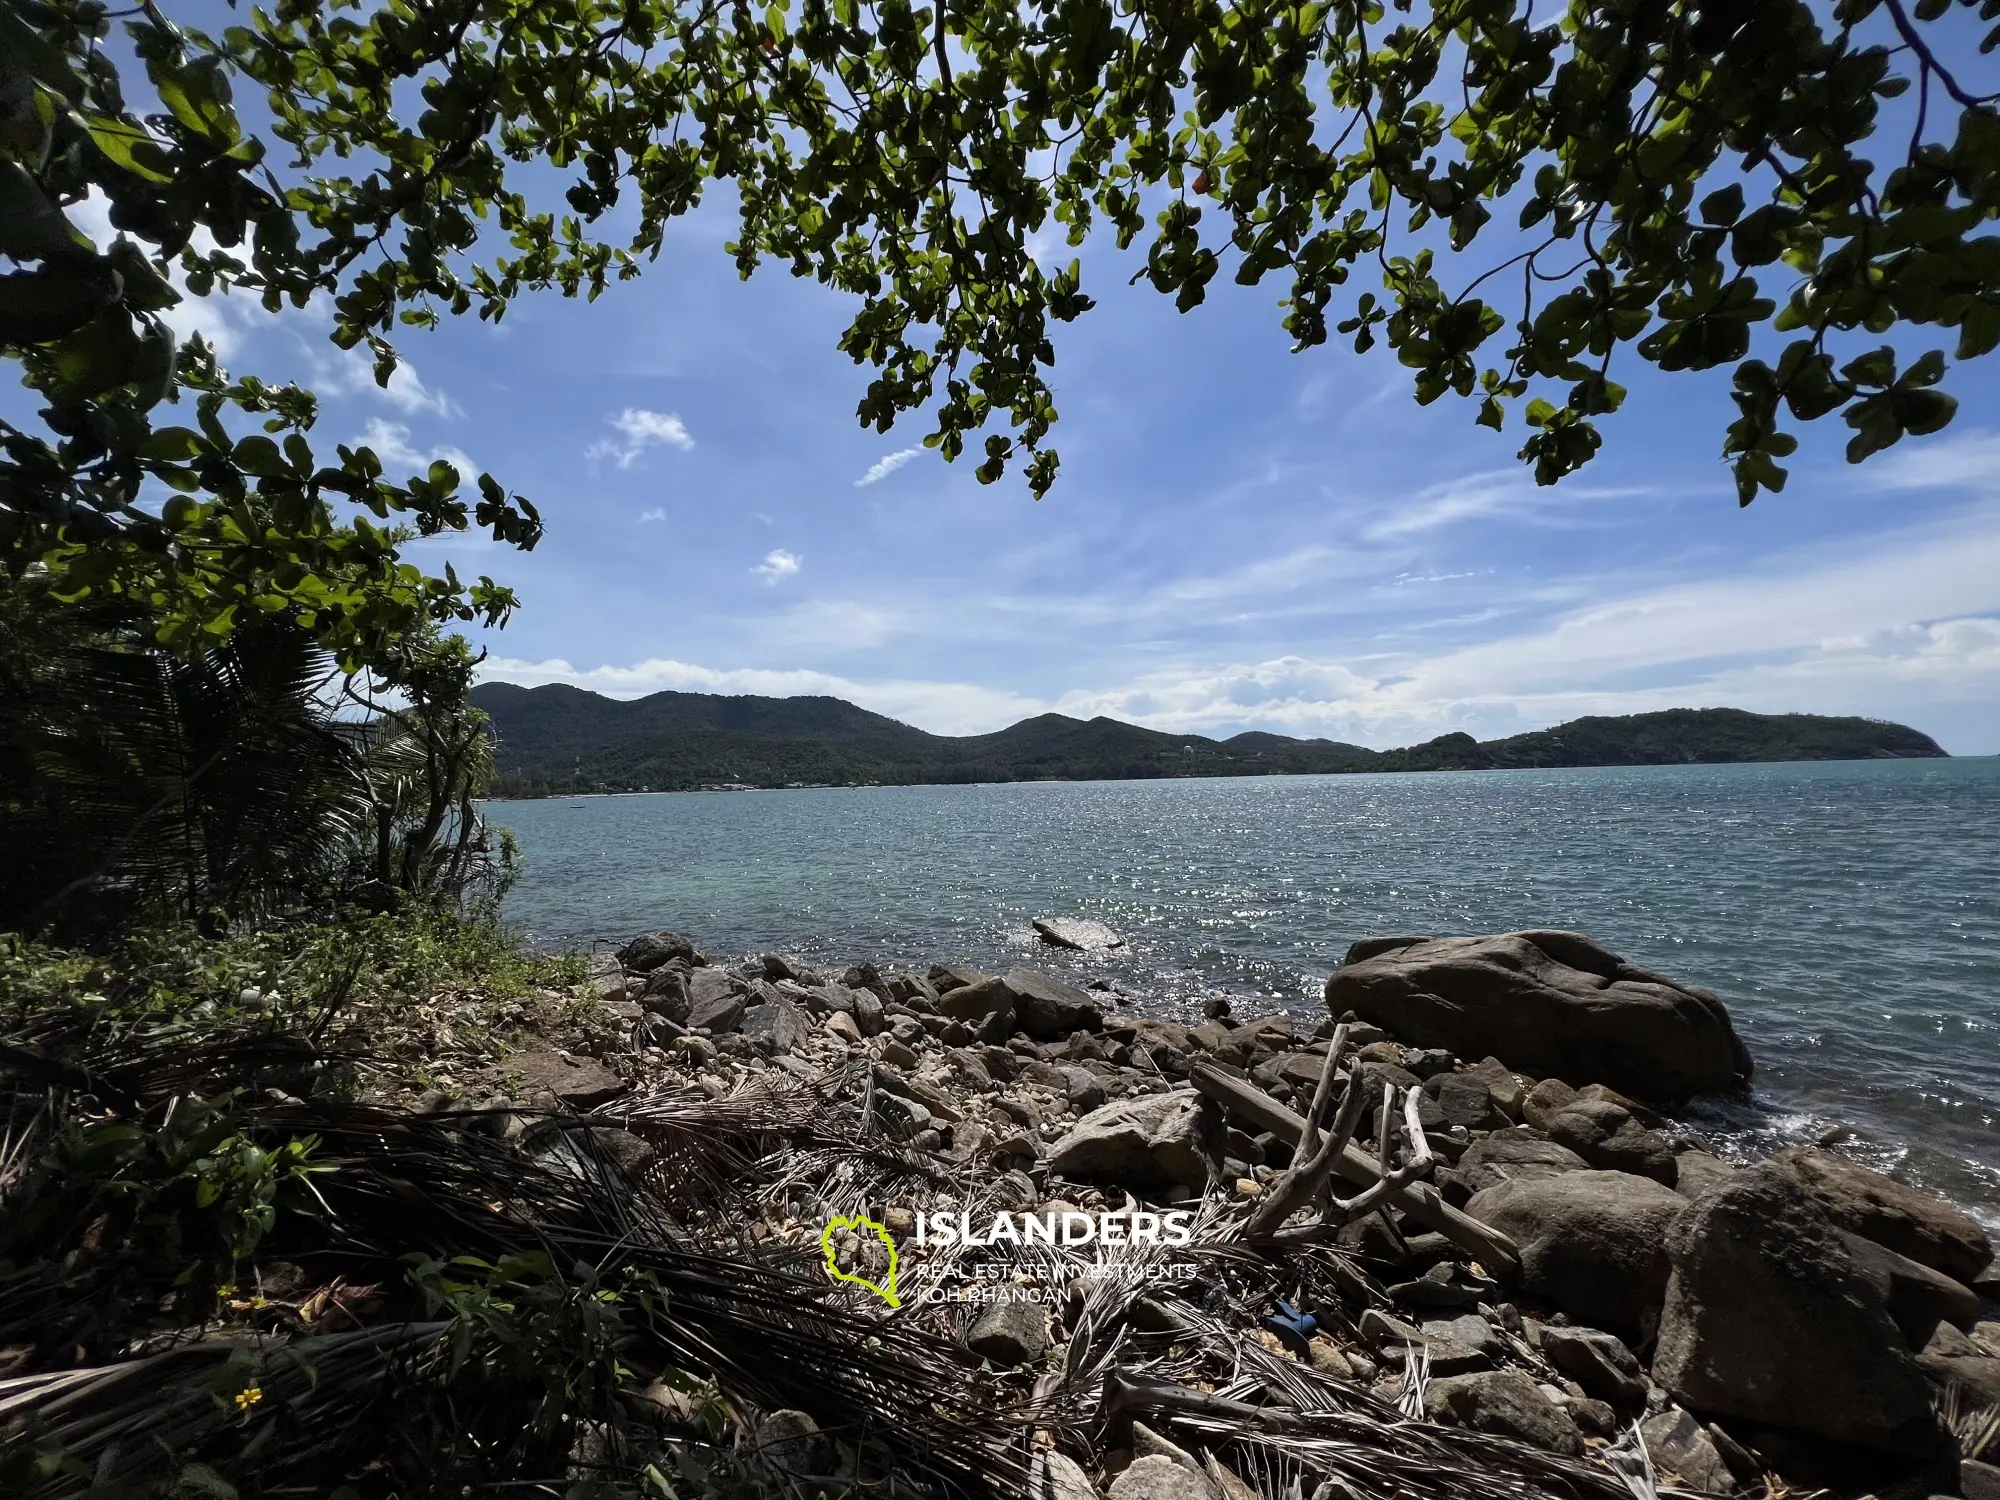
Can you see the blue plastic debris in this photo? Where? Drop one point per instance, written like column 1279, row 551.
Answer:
column 1293, row 1328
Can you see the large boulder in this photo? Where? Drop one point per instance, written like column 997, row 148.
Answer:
column 1593, row 1243
column 1549, row 1004
column 1144, row 1140
column 1906, row 1219
column 1047, row 1008
column 1605, row 1135
column 1770, row 1319
column 649, row 950
column 1506, row 1158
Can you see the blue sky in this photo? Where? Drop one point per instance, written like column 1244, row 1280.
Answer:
column 1242, row 537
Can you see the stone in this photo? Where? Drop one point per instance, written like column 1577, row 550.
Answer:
column 946, row 977
column 1147, row 1140
column 1264, row 1034
column 577, row 1082
column 1460, row 1344
column 649, row 950
column 1918, row 1298
column 711, row 984
column 622, row 1149
column 719, row 1015
column 1010, row 1333
column 1147, row 1443
column 1768, row 1318
column 1046, row 1008
column 1506, row 1403
column 1390, row 1053
column 1079, row 933
column 1506, row 1091
column 1679, row 1445
column 1599, row 1362
column 1553, row 1005
column 791, row 1443
column 1428, row 1062
column 841, row 1024
column 1544, row 1101
column 1697, row 1173
column 1498, row 1159
column 1908, row 1220
column 1951, row 1356
column 1606, row 1135
column 699, row 1049
column 1591, row 1242
column 666, row 994
column 979, row 1003
column 870, row 1018
column 779, row 1025
column 1158, row 1478
column 1462, row 1101
column 1056, row 1476
column 1978, row 1481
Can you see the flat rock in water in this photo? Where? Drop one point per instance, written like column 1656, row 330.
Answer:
column 1552, row 1005
column 1077, row 932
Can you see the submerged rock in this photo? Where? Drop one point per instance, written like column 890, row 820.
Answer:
column 1550, row 1004
column 1077, row 932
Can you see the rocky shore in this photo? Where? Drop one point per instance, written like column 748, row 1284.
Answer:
column 1455, row 1211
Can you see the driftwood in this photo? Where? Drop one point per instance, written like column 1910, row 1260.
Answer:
column 1419, row 1201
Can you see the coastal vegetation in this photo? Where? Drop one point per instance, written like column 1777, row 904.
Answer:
column 273, row 1219
column 557, row 739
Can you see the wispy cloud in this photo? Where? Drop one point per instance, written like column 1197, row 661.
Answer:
column 401, row 457
column 1507, row 492
column 655, row 514
column 778, row 564
column 886, row 465
column 1970, row 460
column 638, row 431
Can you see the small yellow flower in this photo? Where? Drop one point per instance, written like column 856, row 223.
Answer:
column 248, row 1397
column 227, row 1289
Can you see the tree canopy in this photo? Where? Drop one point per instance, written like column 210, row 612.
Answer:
column 1512, row 201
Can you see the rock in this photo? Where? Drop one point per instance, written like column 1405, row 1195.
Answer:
column 1047, row 1008
column 1678, row 1444
column 1697, row 1173
column 699, row 1048
column 1978, row 1481
column 1591, row 1242
column 1606, row 1135
column 1951, row 1356
column 791, row 1443
column 1498, row 1159
column 1544, row 1101
column 1010, row 1333
column 1428, row 1062
column 718, row 1015
column 649, row 950
column 1150, row 1139
column 779, row 1025
column 574, row 1081
column 869, row 1016
column 1157, row 1478
column 1389, row 1053
column 1599, row 1362
column 623, row 1150
column 1056, row 1476
column 711, row 984
column 1553, row 1005
column 1265, row 1034
column 1918, row 1298
column 947, row 977
column 1147, row 1443
column 1460, row 1100
column 666, row 994
column 1906, row 1219
column 986, row 1002
column 1507, row 1404
column 1768, row 1318
column 1460, row 1344
column 1076, row 932
column 1502, row 1087
column 840, row 1024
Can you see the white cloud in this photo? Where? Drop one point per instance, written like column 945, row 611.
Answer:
column 655, row 514
column 940, row 707
column 351, row 372
column 886, row 465
column 639, row 430
column 402, row 458
column 1970, row 459
column 778, row 564
column 1505, row 492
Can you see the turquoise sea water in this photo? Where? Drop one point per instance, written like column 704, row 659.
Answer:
column 1849, row 913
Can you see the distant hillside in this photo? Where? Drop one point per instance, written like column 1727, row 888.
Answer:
column 556, row 740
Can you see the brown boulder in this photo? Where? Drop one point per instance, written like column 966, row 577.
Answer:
column 1908, row 1220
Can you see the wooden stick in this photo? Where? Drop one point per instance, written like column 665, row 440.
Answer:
column 1420, row 1201
column 1303, row 1178
column 1417, row 1165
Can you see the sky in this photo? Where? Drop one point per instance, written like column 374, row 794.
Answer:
column 1242, row 537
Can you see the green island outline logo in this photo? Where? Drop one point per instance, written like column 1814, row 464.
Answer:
column 887, row 1291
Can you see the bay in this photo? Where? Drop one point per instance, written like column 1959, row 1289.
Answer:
column 1847, row 912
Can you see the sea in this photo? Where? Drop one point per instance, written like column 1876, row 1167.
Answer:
column 1847, row 912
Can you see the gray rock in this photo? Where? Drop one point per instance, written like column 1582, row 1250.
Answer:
column 1697, row 1173
column 1010, row 1333
column 1599, row 1362
column 1047, row 1008
column 1978, row 1481
column 869, row 1016
column 1146, row 1140
column 545, row 1074
column 1507, row 1092
column 1460, row 1344
column 1459, row 1099
column 666, row 994
column 1506, row 1403
column 978, row 1004
column 791, row 1443
column 1769, row 1319
column 1545, row 1101
column 1553, row 1005
column 1056, row 1476
column 1428, row 1062
column 1158, row 1478
column 649, row 950
column 1079, row 933
column 1593, row 1243
column 779, row 1025
column 1918, row 1298
column 1909, row 1221
column 1951, row 1356
column 947, row 977
column 1679, row 1445
column 719, row 1014
column 1606, row 1135
column 711, row 984
column 1498, row 1159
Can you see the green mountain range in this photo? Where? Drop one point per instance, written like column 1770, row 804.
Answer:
column 559, row 740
